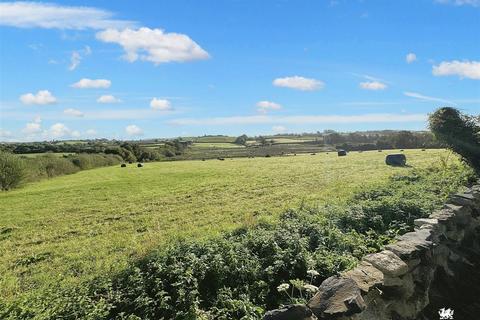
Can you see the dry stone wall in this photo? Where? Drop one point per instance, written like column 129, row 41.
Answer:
column 436, row 266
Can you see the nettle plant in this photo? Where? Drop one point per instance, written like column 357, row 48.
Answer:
column 300, row 290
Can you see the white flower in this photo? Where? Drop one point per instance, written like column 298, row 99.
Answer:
column 313, row 273
column 310, row 288
column 283, row 287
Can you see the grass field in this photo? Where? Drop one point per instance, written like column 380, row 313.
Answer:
column 78, row 226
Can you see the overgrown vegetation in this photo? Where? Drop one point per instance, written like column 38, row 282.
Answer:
column 236, row 276
column 459, row 132
column 15, row 170
column 12, row 171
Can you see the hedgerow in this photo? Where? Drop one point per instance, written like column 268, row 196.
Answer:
column 237, row 275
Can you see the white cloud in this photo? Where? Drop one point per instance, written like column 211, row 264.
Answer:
column 74, row 60
column 34, row 127
column 425, row 98
column 52, row 16
column 77, row 56
column 279, row 129
column 411, row 57
column 133, row 130
column 91, row 132
column 299, row 83
column 154, row 45
column 373, row 85
column 92, row 84
column 107, row 98
column 474, row 3
column 42, row 97
column 308, row 119
column 160, row 104
column 463, row 69
column 59, row 130
column 73, row 112
column 265, row 106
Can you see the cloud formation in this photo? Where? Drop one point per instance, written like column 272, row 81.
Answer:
column 463, row 69
column 92, row 84
column 160, row 104
column 373, row 85
column 34, row 127
column 265, row 106
column 279, row 129
column 154, row 45
column 411, row 57
column 77, row 57
column 308, row 119
column 53, row 16
column 426, row 98
column 107, row 98
column 73, row 112
column 299, row 83
column 42, row 97
column 133, row 130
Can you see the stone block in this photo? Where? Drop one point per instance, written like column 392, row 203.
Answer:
column 387, row 262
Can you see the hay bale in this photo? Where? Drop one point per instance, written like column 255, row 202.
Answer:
column 396, row 159
column 342, row 153
column 139, row 165
column 123, row 165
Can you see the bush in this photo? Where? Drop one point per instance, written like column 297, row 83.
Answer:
column 12, row 171
column 459, row 132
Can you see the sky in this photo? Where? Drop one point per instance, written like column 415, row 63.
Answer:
column 153, row 69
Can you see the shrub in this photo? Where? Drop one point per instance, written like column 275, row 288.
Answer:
column 459, row 132
column 12, row 171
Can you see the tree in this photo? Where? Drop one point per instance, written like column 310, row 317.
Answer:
column 241, row 140
column 459, row 132
column 12, row 171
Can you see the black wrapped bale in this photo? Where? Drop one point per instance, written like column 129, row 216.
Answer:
column 123, row 165
column 397, row 159
column 341, row 153
column 139, row 165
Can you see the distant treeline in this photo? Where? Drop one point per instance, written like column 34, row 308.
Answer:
column 128, row 151
column 372, row 140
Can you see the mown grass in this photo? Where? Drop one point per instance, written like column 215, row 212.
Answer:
column 73, row 228
column 215, row 145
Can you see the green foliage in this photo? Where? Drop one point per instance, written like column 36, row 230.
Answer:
column 459, row 132
column 241, row 140
column 49, row 165
column 237, row 275
column 12, row 171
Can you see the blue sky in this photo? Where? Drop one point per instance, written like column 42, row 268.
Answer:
column 134, row 70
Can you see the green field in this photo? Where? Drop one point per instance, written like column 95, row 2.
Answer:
column 78, row 226
column 216, row 145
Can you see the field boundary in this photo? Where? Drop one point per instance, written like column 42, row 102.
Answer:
column 432, row 269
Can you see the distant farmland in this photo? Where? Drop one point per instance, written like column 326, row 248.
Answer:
column 78, row 226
